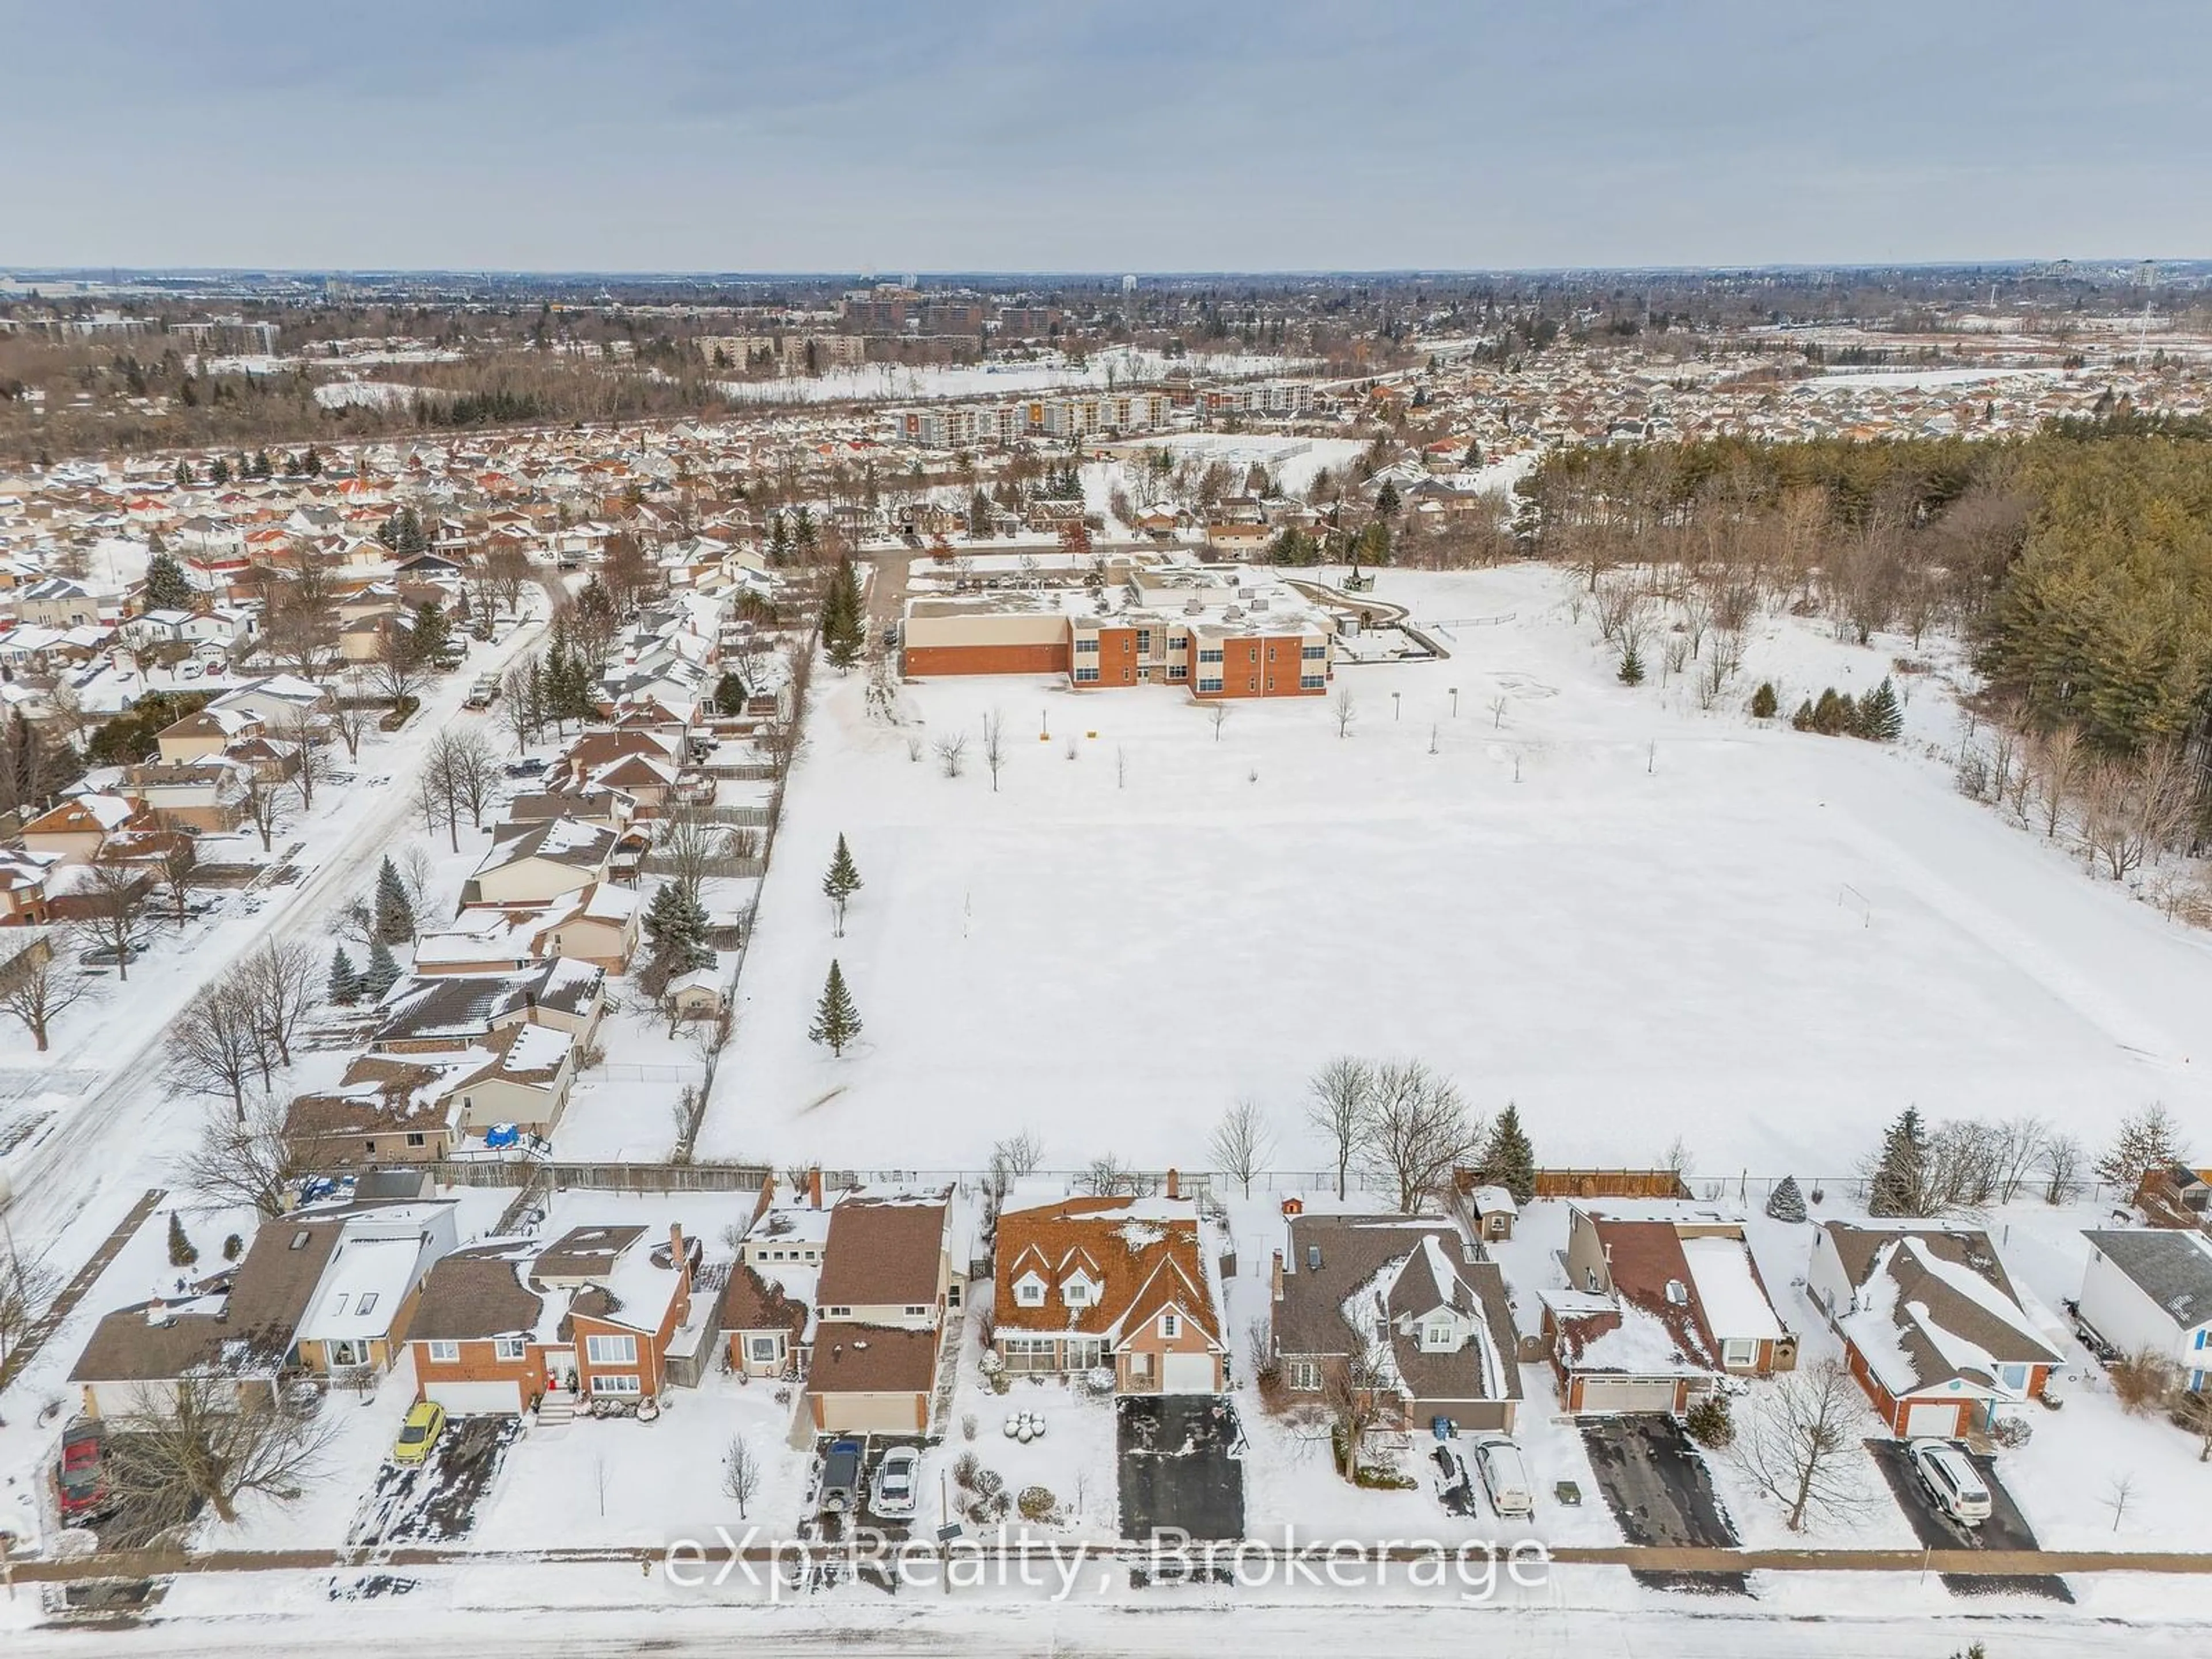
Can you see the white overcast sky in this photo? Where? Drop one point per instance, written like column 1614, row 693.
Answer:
column 1060, row 135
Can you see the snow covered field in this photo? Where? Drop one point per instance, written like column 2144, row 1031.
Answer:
column 1636, row 919
column 1122, row 366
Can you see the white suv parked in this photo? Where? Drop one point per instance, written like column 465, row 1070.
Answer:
column 1952, row 1481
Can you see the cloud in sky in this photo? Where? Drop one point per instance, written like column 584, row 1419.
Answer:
column 846, row 135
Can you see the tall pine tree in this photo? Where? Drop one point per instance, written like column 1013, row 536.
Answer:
column 676, row 932
column 836, row 1020
column 1899, row 1186
column 166, row 587
column 346, row 985
column 395, row 915
column 1507, row 1159
column 382, row 972
column 842, row 881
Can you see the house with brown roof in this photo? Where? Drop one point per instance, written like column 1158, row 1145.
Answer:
column 1403, row 1307
column 1933, row 1327
column 1127, row 1283
column 325, row 1293
column 1655, row 1310
column 79, row 830
column 886, row 1282
column 542, row 862
column 511, row 1324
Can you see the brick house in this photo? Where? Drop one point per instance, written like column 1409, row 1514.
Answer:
column 505, row 1326
column 1406, row 1299
column 1656, row 1311
column 1932, row 1326
column 1086, row 1283
column 885, row 1285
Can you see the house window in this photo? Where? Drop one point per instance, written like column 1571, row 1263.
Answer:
column 1739, row 1353
column 1271, row 653
column 611, row 1351
column 1304, row 1375
column 1252, row 685
column 1089, row 647
column 367, row 1301
column 417, row 1139
column 1145, row 641
column 444, row 1353
column 1180, row 643
column 916, row 1310
column 762, row 1349
column 1312, row 682
column 1029, row 1291
column 1085, row 1352
column 1315, row 654
column 614, row 1385
column 1170, row 1326
column 2014, row 1377
column 1212, row 685
column 509, row 1348
column 1083, row 676
column 1212, row 653
column 836, row 1313
column 1076, row 1292
column 1178, row 671
column 1437, row 1337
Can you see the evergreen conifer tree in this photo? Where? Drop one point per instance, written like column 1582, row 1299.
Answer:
column 182, row 1253
column 1632, row 664
column 382, row 972
column 676, row 931
column 183, row 476
column 842, row 881
column 1507, row 1159
column 1880, row 718
column 1763, row 702
column 312, row 463
column 1802, row 720
column 1900, row 1177
column 395, row 916
column 1786, row 1203
column 836, row 1020
column 1386, row 499
column 166, row 587
column 346, row 985
column 730, row 694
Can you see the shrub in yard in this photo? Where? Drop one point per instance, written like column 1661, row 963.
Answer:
column 1709, row 1423
column 233, row 1248
column 1036, row 1503
column 965, row 1469
column 987, row 1483
column 2142, row 1382
column 968, row 1426
column 1763, row 702
column 1381, row 1480
column 182, row 1253
column 989, row 1509
column 1786, row 1203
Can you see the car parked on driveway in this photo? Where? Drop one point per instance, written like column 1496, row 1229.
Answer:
column 419, row 1433
column 1951, row 1480
column 840, row 1478
column 1505, row 1476
column 80, row 1482
column 893, row 1499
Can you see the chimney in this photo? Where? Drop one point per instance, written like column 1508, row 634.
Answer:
column 1174, row 1184
column 1275, row 1278
column 814, row 1186
column 1608, row 1253
column 676, row 1243
column 1294, row 1207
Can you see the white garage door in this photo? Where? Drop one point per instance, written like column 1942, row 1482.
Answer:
column 1188, row 1373
column 1628, row 1393
column 475, row 1399
column 1939, row 1418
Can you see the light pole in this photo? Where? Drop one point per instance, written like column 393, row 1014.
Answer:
column 1454, row 697
column 1393, row 705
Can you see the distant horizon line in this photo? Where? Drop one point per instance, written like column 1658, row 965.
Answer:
column 20, row 273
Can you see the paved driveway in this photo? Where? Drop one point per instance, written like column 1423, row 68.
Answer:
column 2007, row 1528
column 1656, row 1484
column 1179, row 1471
column 435, row 1501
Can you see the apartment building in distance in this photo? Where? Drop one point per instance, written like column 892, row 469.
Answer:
column 960, row 426
column 1218, row 631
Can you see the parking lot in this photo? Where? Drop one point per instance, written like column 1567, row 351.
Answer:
column 2006, row 1529
column 1656, row 1482
column 1178, row 1465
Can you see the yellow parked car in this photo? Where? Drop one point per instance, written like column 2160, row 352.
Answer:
column 419, row 1433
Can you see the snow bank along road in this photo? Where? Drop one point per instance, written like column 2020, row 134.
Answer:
column 90, row 1153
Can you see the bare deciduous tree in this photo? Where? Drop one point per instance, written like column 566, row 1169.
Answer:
column 351, row 719
column 1344, row 708
column 1218, row 713
column 741, row 1473
column 280, row 982
column 215, row 1046
column 28, row 1287
column 38, row 993
column 994, row 745
column 176, row 870
column 1340, row 1097
column 1352, row 1394
column 197, row 1442
column 951, row 753
column 396, row 671
column 2146, row 1141
column 1418, row 1131
column 2057, row 767
column 2060, row 1166
column 1242, row 1143
column 1797, row 1442
column 111, row 898
column 305, row 732
column 262, row 800
column 249, row 1160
